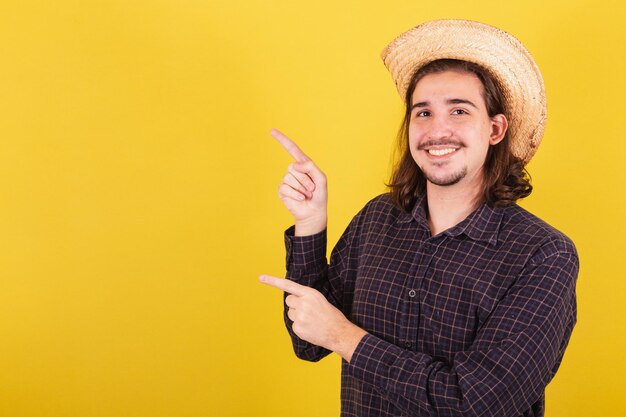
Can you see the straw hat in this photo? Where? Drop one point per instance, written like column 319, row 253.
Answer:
column 499, row 53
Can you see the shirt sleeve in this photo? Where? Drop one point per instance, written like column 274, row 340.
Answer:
column 515, row 354
column 307, row 265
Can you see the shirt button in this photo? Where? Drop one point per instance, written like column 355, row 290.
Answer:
column 412, row 293
column 407, row 344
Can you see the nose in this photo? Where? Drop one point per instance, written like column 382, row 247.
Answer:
column 439, row 127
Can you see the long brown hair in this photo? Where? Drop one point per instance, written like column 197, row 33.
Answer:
column 505, row 180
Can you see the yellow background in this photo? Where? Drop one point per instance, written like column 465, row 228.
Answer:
column 138, row 196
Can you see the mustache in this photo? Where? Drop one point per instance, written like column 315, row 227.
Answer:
column 447, row 142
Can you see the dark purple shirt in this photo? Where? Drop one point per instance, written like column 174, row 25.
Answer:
column 470, row 322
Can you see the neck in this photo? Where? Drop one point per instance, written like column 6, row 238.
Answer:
column 450, row 205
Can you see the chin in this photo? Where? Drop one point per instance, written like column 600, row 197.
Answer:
column 446, row 180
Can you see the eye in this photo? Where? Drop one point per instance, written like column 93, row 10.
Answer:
column 459, row 112
column 423, row 113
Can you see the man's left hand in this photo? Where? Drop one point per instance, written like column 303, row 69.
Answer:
column 315, row 320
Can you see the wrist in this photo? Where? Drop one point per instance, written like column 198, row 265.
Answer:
column 348, row 341
column 310, row 227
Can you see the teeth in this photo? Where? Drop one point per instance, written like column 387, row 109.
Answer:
column 439, row 152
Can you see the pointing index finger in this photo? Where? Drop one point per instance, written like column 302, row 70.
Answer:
column 284, row 284
column 289, row 145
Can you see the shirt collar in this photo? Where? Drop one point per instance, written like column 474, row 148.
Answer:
column 418, row 213
column 481, row 225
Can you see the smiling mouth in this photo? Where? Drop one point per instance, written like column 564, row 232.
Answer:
column 441, row 152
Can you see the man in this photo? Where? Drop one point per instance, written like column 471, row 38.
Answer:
column 443, row 297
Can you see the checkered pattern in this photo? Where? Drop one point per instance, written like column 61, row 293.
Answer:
column 470, row 322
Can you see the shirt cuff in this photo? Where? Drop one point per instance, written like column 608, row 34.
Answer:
column 305, row 253
column 372, row 361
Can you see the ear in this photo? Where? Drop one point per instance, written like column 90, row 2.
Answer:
column 499, row 125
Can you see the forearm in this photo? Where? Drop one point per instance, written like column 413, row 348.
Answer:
column 306, row 265
column 419, row 384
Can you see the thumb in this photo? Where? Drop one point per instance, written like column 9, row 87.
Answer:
column 311, row 170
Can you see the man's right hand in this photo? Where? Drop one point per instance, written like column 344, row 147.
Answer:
column 303, row 189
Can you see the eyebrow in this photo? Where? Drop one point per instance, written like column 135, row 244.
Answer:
column 450, row 101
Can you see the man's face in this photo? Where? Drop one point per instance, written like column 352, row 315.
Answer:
column 450, row 130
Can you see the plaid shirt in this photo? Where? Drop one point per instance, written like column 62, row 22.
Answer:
column 470, row 322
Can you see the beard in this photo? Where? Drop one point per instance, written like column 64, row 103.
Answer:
column 443, row 179
column 446, row 180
